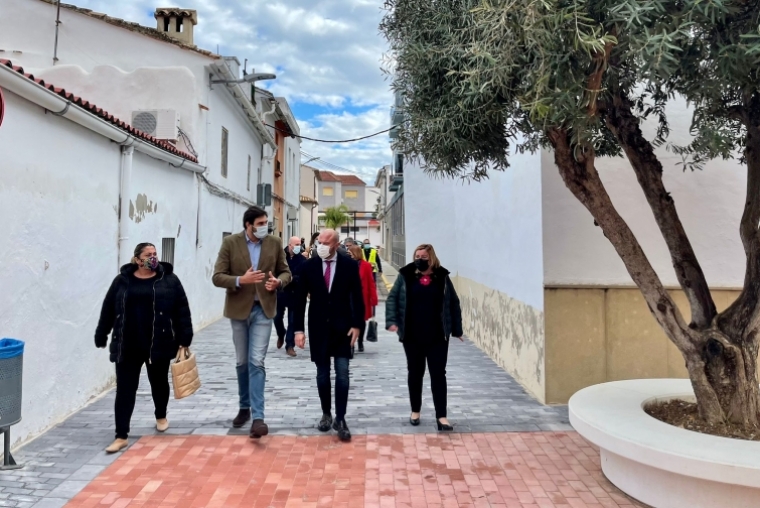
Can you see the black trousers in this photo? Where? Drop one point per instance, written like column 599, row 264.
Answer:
column 436, row 355
column 127, row 382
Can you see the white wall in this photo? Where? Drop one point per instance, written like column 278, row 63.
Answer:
column 489, row 232
column 709, row 203
column 58, row 198
column 60, row 242
column 488, row 235
column 27, row 35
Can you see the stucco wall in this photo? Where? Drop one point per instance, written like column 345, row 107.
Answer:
column 599, row 335
column 709, row 203
column 59, row 246
column 488, row 235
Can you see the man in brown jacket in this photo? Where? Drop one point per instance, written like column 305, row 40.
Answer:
column 251, row 266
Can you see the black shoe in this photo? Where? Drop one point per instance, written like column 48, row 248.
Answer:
column 361, row 348
column 444, row 427
column 343, row 433
column 280, row 342
column 414, row 421
column 243, row 416
column 325, row 423
column 259, row 429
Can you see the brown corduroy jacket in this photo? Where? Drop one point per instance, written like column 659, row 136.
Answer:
column 234, row 260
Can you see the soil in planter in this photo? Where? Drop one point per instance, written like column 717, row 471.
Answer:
column 686, row 415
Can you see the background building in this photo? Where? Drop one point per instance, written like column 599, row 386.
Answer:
column 349, row 190
column 308, row 200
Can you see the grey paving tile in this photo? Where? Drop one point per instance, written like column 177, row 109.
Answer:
column 482, row 398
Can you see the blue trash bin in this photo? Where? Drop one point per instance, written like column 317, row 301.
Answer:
column 11, row 370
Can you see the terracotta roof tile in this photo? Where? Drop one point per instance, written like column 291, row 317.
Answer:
column 101, row 113
column 328, row 176
column 135, row 27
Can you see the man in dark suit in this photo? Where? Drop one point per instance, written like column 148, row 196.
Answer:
column 336, row 313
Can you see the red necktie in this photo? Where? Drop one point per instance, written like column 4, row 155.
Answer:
column 328, row 272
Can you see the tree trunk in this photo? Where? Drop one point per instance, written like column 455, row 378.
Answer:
column 576, row 166
column 648, row 169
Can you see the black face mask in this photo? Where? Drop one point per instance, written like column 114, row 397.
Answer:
column 421, row 264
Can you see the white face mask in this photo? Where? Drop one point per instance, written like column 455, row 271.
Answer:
column 323, row 251
column 297, row 249
column 261, row 232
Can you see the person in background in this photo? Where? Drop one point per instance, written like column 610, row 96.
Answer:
column 285, row 336
column 370, row 254
column 147, row 310
column 304, row 248
column 369, row 290
column 423, row 308
column 336, row 314
column 251, row 266
column 313, row 245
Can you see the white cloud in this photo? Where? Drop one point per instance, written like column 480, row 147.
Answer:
column 325, row 52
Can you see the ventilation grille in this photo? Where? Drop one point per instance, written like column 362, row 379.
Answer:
column 167, row 250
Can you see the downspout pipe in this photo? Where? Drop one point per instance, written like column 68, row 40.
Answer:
column 125, row 184
column 57, row 105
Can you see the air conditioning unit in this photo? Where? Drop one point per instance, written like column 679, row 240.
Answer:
column 159, row 123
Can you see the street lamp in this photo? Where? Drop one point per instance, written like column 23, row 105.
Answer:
column 249, row 78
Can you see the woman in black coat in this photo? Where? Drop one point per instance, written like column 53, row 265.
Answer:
column 147, row 310
column 423, row 308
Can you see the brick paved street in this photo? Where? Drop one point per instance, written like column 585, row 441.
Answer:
column 482, row 399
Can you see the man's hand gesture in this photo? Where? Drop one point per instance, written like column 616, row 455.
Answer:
column 354, row 334
column 300, row 340
column 272, row 283
column 252, row 277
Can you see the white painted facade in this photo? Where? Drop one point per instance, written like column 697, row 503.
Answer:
column 709, row 203
column 60, row 191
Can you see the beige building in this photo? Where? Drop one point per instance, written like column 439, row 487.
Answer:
column 308, row 197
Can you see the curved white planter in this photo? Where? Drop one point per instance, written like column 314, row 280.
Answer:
column 659, row 464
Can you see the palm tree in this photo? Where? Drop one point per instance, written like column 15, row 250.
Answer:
column 336, row 216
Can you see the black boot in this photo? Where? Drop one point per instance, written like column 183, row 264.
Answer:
column 243, row 416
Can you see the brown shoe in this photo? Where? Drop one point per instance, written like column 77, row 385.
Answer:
column 280, row 342
column 243, row 416
column 291, row 352
column 259, row 429
column 117, row 446
column 162, row 425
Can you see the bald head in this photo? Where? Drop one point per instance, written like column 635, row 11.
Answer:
column 330, row 238
column 294, row 240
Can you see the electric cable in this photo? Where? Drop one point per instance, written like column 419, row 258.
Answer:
column 289, row 133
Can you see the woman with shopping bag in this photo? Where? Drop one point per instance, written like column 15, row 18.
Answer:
column 369, row 289
column 147, row 310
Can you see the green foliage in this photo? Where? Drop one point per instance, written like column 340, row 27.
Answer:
column 482, row 79
column 336, row 216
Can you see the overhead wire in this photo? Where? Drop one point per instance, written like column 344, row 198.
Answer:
column 290, row 133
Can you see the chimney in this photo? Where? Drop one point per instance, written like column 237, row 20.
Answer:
column 177, row 23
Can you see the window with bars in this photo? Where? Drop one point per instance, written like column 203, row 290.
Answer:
column 225, row 142
column 167, row 250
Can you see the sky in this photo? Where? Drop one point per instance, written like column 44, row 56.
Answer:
column 327, row 55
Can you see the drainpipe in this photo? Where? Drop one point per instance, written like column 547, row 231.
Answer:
column 125, row 184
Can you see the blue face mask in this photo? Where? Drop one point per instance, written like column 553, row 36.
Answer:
column 297, row 249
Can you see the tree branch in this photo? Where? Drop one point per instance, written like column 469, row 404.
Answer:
column 648, row 169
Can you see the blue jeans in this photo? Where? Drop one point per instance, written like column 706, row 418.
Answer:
column 251, row 339
column 324, row 387
column 289, row 333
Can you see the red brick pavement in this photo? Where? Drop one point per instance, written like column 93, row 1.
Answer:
column 507, row 470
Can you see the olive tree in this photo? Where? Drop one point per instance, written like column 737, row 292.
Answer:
column 483, row 79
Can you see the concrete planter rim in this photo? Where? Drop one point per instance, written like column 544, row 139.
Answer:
column 611, row 415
